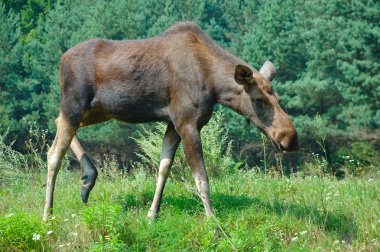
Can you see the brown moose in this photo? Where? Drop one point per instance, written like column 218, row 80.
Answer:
column 176, row 77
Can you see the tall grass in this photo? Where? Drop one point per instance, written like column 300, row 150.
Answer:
column 257, row 212
column 308, row 211
column 217, row 149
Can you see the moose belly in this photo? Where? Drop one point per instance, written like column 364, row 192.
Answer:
column 132, row 105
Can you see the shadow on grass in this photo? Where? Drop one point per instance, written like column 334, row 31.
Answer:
column 343, row 225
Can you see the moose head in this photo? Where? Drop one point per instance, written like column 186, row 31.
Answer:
column 261, row 105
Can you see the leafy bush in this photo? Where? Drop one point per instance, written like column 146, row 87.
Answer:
column 22, row 231
column 107, row 222
column 14, row 164
column 358, row 159
column 217, row 149
column 108, row 245
column 9, row 158
column 11, row 162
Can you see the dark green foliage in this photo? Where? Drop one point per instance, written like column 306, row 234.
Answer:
column 352, row 158
column 10, row 69
column 327, row 55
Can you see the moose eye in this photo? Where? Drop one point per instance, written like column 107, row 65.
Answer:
column 259, row 103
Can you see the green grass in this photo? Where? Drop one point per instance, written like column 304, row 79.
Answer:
column 257, row 212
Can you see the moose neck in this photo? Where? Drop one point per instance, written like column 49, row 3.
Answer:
column 227, row 91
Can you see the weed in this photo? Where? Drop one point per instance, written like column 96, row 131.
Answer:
column 109, row 167
column 321, row 134
column 12, row 163
column 359, row 159
column 22, row 231
column 217, row 149
column 257, row 212
column 310, row 211
column 36, row 146
column 264, row 140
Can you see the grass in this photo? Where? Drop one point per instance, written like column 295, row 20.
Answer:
column 257, row 212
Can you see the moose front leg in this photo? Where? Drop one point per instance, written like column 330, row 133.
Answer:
column 193, row 150
column 169, row 148
column 90, row 172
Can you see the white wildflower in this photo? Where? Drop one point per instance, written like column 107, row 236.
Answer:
column 66, row 220
column 9, row 215
column 50, row 232
column 68, row 244
column 295, row 238
column 74, row 234
column 369, row 180
column 73, row 215
column 303, row 232
column 36, row 237
column 61, row 246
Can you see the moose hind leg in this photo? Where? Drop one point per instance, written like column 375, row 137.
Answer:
column 169, row 148
column 90, row 173
column 65, row 132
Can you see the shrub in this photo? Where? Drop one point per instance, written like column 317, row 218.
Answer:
column 22, row 231
column 107, row 222
column 36, row 146
column 217, row 149
column 11, row 162
column 358, row 159
column 9, row 158
column 109, row 245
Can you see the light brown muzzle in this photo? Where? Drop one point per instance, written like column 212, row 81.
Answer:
column 289, row 140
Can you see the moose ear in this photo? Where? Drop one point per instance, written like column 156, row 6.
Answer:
column 268, row 70
column 243, row 75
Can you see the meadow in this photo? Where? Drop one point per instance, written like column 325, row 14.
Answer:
column 256, row 208
column 253, row 212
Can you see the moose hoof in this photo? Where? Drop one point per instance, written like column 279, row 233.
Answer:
column 85, row 193
column 90, row 176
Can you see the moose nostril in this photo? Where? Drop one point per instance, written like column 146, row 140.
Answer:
column 281, row 147
column 290, row 143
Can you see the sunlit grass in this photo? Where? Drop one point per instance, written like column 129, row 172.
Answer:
column 257, row 213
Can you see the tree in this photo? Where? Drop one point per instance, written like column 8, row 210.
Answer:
column 10, row 70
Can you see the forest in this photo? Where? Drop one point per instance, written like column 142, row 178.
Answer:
column 327, row 57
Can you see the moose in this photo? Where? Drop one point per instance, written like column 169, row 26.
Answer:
column 176, row 77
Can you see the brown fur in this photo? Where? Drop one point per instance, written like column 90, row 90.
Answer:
column 176, row 77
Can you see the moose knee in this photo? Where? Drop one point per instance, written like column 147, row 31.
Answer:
column 53, row 160
column 164, row 167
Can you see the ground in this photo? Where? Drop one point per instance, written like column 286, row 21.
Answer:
column 254, row 212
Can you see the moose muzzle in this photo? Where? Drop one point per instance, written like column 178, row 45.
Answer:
column 285, row 139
